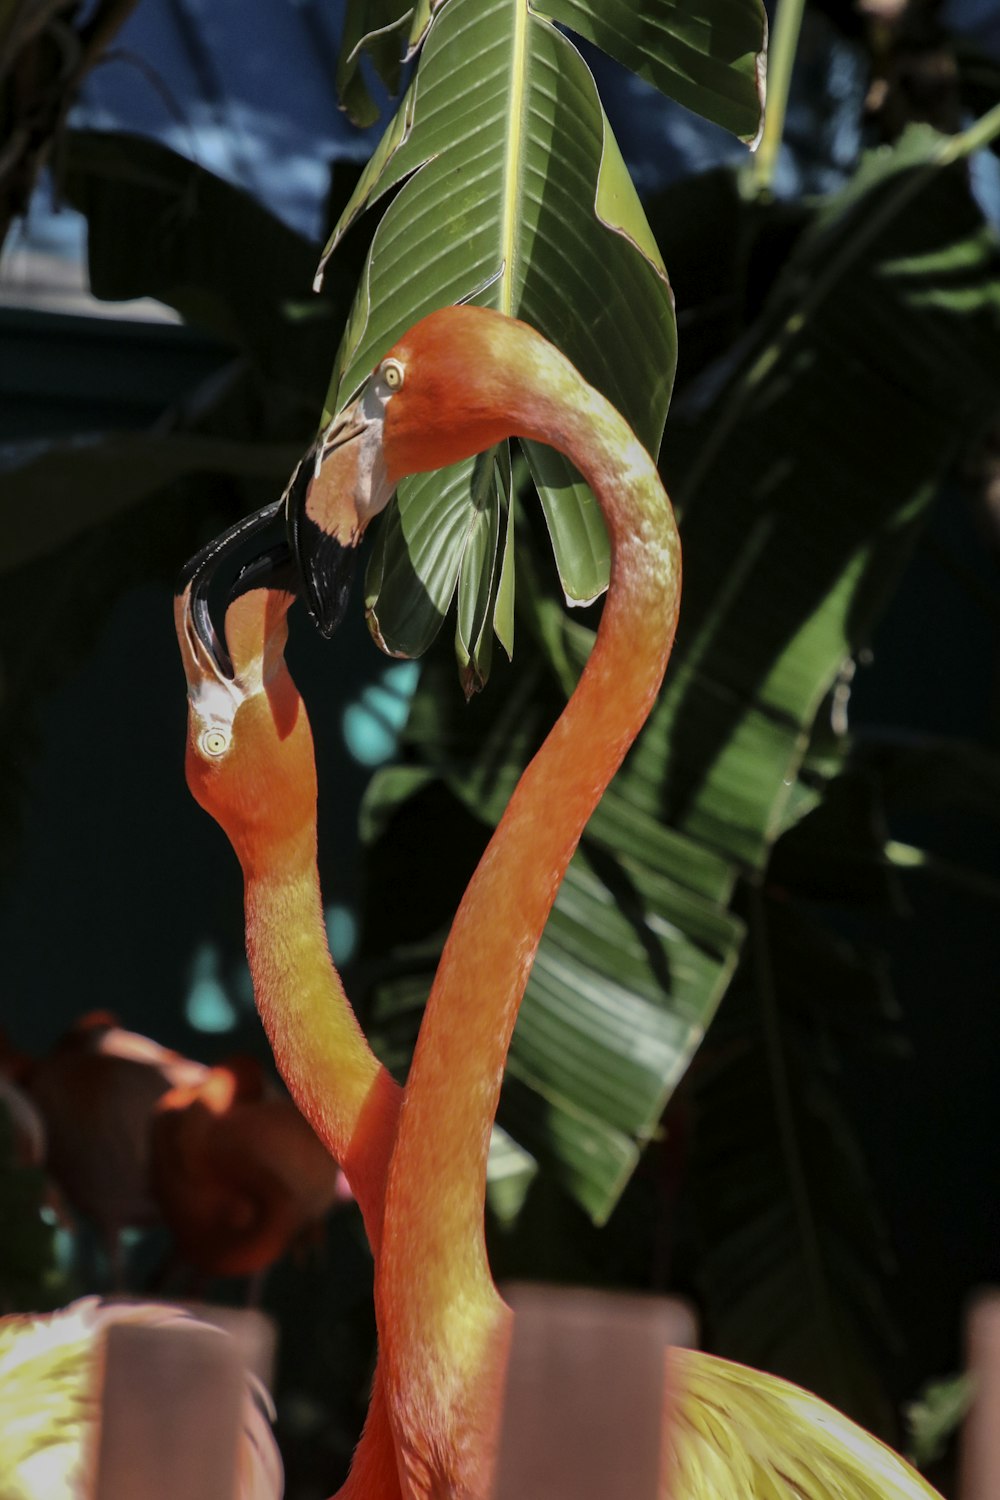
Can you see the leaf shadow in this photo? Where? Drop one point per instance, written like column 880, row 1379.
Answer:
column 630, row 902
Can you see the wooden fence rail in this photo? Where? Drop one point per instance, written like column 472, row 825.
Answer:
column 582, row 1417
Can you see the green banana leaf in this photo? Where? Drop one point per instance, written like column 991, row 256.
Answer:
column 512, row 191
column 377, row 27
column 793, row 1252
column 792, row 1249
column 839, row 850
column 803, row 475
column 709, row 56
column 938, row 1415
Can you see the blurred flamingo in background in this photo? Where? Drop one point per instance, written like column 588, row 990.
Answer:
column 458, row 382
column 26, row 1123
column 236, row 1172
column 96, row 1091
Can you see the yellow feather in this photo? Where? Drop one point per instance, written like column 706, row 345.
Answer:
column 733, row 1431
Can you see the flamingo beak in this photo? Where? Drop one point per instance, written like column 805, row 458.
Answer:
column 251, row 554
column 339, row 486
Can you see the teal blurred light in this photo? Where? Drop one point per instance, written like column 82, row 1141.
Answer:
column 373, row 724
column 208, row 1007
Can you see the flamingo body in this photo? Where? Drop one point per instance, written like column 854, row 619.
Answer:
column 732, row 1431
column 26, row 1124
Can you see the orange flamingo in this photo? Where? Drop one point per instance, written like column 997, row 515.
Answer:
column 238, row 1174
column 460, row 381
column 250, row 764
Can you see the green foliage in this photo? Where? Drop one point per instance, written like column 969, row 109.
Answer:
column 377, row 27
column 774, row 533
column 709, row 58
column 512, row 191
column 792, row 1252
column 936, row 1416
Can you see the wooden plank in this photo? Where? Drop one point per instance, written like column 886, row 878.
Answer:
column 171, row 1413
column 585, row 1392
column 980, row 1447
column 254, row 1332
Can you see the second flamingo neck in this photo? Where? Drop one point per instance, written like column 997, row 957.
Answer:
column 321, row 1051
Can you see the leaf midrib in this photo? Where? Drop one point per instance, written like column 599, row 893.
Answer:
column 513, row 159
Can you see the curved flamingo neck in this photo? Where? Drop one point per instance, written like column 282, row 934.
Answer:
column 337, row 1082
column 442, row 1324
column 341, row 1088
column 348, row 1097
column 267, row 805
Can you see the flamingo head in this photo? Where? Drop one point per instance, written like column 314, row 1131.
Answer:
column 338, row 487
column 457, row 382
column 249, row 759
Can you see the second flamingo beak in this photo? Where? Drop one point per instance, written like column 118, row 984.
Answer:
column 339, row 486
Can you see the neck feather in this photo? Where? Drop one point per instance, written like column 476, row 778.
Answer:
column 339, row 1085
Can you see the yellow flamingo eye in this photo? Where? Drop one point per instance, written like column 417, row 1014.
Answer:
column 392, row 374
column 214, row 742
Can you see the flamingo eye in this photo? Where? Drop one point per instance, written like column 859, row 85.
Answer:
column 214, row 742
column 392, row 374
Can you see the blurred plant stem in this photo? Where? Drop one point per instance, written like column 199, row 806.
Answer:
column 781, row 52
column 979, row 134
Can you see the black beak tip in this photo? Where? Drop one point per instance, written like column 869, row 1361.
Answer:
column 326, row 616
column 326, row 566
column 203, row 580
